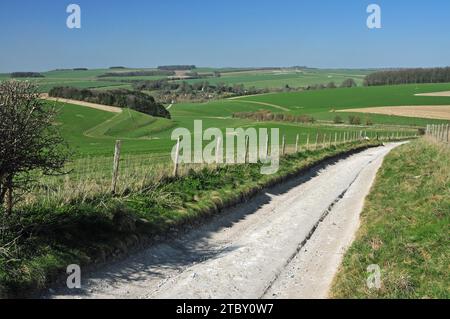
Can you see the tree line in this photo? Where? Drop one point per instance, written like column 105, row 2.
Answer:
column 265, row 115
column 201, row 86
column 26, row 75
column 408, row 76
column 176, row 67
column 347, row 83
column 137, row 73
column 135, row 100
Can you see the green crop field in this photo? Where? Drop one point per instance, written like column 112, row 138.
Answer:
column 93, row 132
column 281, row 78
column 321, row 103
column 82, row 79
column 230, row 76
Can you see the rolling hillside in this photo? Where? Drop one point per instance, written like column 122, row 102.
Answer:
column 322, row 103
column 94, row 132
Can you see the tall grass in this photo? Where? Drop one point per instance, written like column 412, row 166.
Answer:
column 404, row 228
column 90, row 177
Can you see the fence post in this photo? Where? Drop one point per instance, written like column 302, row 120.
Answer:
column 283, row 145
column 247, row 142
column 447, row 132
column 307, row 141
column 296, row 144
column 267, row 145
column 177, row 154
column 218, row 150
column 317, row 140
column 335, row 139
column 116, row 163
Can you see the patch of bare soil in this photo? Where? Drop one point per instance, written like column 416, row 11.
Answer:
column 441, row 112
column 107, row 108
column 445, row 93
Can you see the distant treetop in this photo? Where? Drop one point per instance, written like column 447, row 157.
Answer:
column 26, row 75
column 407, row 76
column 176, row 67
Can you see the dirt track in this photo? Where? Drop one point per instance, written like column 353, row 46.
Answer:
column 263, row 104
column 444, row 93
column 286, row 243
column 441, row 112
column 107, row 108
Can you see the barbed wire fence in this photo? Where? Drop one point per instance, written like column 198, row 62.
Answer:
column 121, row 173
column 439, row 133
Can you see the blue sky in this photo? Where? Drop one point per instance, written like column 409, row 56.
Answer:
column 146, row 33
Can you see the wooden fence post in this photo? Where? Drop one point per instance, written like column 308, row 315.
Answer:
column 307, row 141
column 335, row 138
column 115, row 174
column 267, row 146
column 218, row 151
column 247, row 142
column 317, row 141
column 448, row 128
column 296, row 144
column 283, row 146
column 177, row 154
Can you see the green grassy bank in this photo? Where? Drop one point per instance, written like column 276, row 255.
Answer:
column 404, row 228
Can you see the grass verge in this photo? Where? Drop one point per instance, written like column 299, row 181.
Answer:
column 404, row 228
column 38, row 243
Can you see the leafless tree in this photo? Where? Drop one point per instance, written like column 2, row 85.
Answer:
column 29, row 140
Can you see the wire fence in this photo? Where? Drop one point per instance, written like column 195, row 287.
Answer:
column 438, row 133
column 124, row 173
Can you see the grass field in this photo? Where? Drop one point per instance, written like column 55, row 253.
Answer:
column 321, row 104
column 146, row 141
column 230, row 76
column 281, row 78
column 92, row 132
column 77, row 78
column 83, row 198
column 404, row 228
